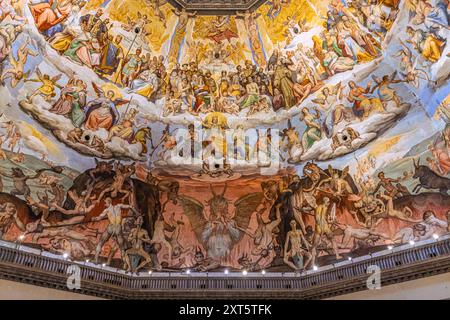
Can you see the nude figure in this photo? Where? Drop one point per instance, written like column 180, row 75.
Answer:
column 405, row 214
column 264, row 234
column 351, row 233
column 160, row 237
column 82, row 201
column 114, row 229
column 123, row 173
column 137, row 238
column 16, row 73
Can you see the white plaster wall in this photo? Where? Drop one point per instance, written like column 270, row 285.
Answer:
column 10, row 290
column 430, row 288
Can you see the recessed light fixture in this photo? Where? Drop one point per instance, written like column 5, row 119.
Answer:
column 435, row 236
column 411, row 242
column 188, row 271
column 244, row 272
column 65, row 255
column 104, row 265
column 263, row 272
column 390, row 247
column 315, row 268
column 226, row 271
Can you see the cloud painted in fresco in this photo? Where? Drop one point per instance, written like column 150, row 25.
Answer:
column 61, row 126
column 368, row 130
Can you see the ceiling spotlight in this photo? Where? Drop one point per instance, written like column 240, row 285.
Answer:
column 315, row 268
column 103, row 265
column 21, row 237
column 65, row 255
column 244, row 272
column 150, row 272
column 226, row 271
column 390, row 247
column 263, row 272
column 435, row 236
column 411, row 242
column 188, row 271
column 87, row 260
column 349, row 258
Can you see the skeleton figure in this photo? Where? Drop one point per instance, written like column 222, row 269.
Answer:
column 220, row 231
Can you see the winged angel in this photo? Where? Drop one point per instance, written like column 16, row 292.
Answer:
column 219, row 231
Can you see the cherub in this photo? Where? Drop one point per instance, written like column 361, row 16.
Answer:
column 172, row 105
column 47, row 89
column 409, row 70
column 13, row 141
column 137, row 26
column 16, row 72
column 156, row 6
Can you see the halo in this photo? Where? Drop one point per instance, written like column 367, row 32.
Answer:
column 111, row 87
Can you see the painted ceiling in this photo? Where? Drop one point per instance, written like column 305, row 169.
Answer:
column 211, row 135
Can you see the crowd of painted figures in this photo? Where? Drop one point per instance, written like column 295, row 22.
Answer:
column 285, row 80
column 353, row 34
column 299, row 217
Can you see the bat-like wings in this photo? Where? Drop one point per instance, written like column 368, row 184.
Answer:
column 244, row 208
column 194, row 210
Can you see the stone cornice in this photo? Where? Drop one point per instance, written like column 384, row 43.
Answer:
column 397, row 266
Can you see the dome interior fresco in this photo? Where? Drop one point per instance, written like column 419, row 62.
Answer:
column 276, row 135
